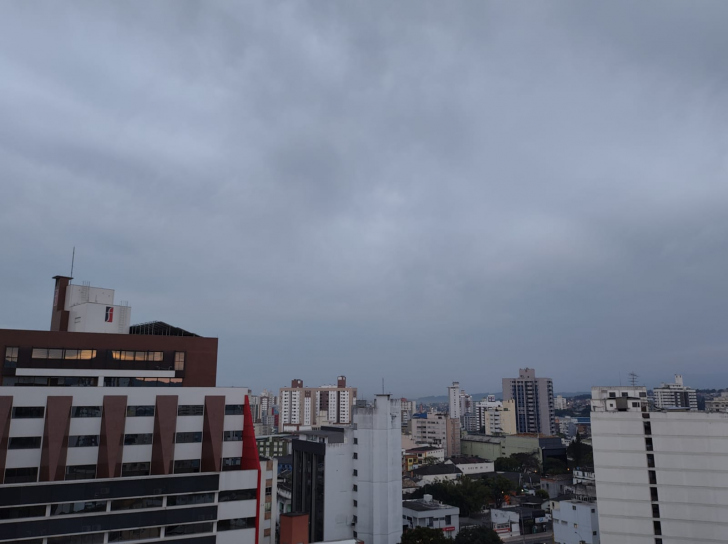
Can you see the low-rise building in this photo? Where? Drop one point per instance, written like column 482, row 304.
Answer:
column 436, row 473
column 505, row 522
column 471, row 465
column 717, row 404
column 427, row 512
column 575, row 522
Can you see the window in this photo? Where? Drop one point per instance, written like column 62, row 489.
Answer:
column 21, row 475
column 651, row 460
column 142, row 382
column 625, row 394
column 83, row 507
column 94, row 538
column 232, row 436
column 86, row 411
column 233, row 524
column 134, row 469
column 658, row 527
column 653, row 477
column 653, row 494
column 15, row 512
column 648, row 427
column 11, row 357
column 233, row 409
column 448, row 520
column 28, row 412
column 139, row 411
column 83, row 441
column 152, row 356
column 186, row 466
column 236, row 495
column 356, row 473
column 593, row 511
column 648, row 444
column 612, row 395
column 192, row 498
column 655, row 510
column 356, row 488
column 137, row 439
column 190, row 410
column 136, row 504
column 24, row 443
column 355, row 456
column 134, row 534
column 191, row 529
column 81, row 472
column 188, row 437
column 231, row 463
column 573, row 507
column 356, row 441
column 179, row 360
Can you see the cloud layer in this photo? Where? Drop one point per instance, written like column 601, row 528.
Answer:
column 409, row 191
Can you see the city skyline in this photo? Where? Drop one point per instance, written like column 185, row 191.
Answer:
column 378, row 190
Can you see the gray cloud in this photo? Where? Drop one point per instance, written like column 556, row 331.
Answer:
column 399, row 190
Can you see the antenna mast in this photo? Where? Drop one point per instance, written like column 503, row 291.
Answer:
column 73, row 258
column 633, row 378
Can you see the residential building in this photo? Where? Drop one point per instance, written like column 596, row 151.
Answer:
column 309, row 407
column 717, row 404
column 505, row 522
column 534, row 399
column 560, row 403
column 124, row 436
column 428, row 474
column 427, row 512
column 453, row 422
column 274, row 445
column 675, row 395
column 471, row 465
column 495, row 417
column 575, row 522
column 659, row 475
column 348, row 479
column 430, row 428
column 423, row 453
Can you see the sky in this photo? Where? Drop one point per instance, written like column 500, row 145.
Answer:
column 415, row 192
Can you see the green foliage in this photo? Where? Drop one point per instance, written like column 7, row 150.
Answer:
column 507, row 464
column 580, row 454
column 554, row 466
column 542, row 494
column 469, row 495
column 424, row 535
column 477, row 535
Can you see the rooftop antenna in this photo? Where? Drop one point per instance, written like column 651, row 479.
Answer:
column 73, row 258
column 633, row 378
column 382, row 386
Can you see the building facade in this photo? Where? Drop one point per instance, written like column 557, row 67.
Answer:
column 427, row 512
column 495, row 417
column 349, row 479
column 575, row 522
column 660, row 476
column 534, row 398
column 675, row 395
column 303, row 408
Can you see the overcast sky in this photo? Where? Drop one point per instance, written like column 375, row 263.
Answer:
column 416, row 191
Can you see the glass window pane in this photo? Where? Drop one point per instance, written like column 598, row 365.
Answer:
column 40, row 353
column 70, row 354
column 55, row 354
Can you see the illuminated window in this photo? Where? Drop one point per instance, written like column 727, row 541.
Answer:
column 179, row 360
column 11, row 357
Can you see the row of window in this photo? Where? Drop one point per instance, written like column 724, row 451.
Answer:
column 31, row 412
column 11, row 355
column 129, row 470
column 70, row 354
column 142, row 382
column 50, row 381
column 144, row 533
column 118, row 505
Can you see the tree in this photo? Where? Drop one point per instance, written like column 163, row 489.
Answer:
column 579, row 453
column 477, row 535
column 554, row 466
column 507, row 464
column 542, row 494
column 500, row 486
column 424, row 535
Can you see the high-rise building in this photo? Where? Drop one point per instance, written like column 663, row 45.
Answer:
column 534, row 399
column 308, row 407
column 453, row 394
column 430, row 428
column 452, row 429
column 655, row 470
column 348, row 479
column 675, row 395
column 124, row 436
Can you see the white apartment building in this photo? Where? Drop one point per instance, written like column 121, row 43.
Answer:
column 575, row 522
column 309, row 407
column 430, row 430
column 717, row 404
column 675, row 395
column 349, row 479
column 660, row 476
column 453, row 394
column 560, row 403
column 534, row 402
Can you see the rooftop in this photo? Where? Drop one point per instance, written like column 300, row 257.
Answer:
column 159, row 328
column 434, row 470
column 423, row 505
